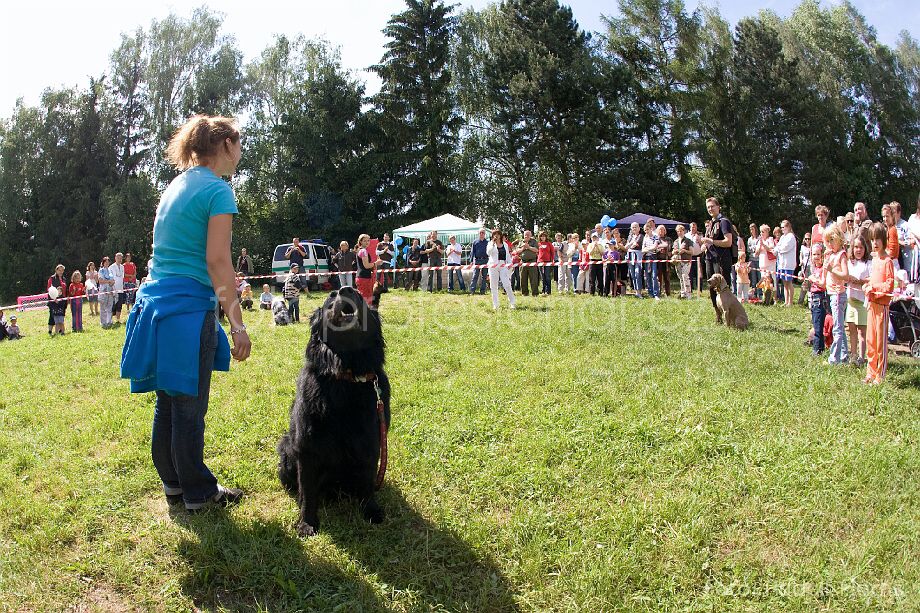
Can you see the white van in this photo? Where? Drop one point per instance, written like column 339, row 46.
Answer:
column 316, row 260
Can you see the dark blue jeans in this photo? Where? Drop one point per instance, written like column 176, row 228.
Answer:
column 454, row 269
column 755, row 279
column 547, row 276
column 177, row 443
column 816, row 302
column 294, row 309
column 650, row 269
column 479, row 274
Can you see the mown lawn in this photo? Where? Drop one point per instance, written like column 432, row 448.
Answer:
column 576, row 454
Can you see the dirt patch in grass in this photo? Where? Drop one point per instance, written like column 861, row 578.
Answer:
column 101, row 598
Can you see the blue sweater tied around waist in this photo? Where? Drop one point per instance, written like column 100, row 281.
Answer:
column 163, row 337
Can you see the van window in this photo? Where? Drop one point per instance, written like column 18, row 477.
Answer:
column 280, row 251
column 322, row 252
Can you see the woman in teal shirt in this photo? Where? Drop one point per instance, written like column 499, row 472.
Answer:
column 173, row 342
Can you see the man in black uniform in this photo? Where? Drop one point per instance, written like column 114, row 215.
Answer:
column 718, row 246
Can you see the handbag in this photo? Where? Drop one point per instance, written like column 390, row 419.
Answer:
column 771, row 257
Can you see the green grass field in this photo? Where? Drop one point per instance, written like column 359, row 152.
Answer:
column 577, row 454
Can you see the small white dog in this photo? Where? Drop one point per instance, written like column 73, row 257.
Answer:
column 280, row 312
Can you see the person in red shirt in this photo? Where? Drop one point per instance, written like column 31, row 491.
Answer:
column 546, row 253
column 75, row 293
column 130, row 280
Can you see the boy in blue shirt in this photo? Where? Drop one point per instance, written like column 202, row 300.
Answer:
column 265, row 300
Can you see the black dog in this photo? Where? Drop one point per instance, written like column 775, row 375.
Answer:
column 333, row 443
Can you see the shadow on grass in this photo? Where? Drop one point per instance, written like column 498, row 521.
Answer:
column 904, row 373
column 525, row 306
column 265, row 566
column 434, row 567
column 758, row 314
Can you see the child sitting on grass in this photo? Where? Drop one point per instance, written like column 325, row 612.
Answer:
column 12, row 329
column 878, row 289
column 265, row 300
column 246, row 296
column 828, row 332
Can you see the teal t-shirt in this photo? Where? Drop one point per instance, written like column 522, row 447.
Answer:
column 180, row 231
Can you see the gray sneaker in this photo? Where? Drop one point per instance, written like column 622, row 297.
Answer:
column 224, row 498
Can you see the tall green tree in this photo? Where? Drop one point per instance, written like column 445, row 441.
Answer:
column 537, row 104
column 416, row 114
column 659, row 43
column 325, row 136
column 188, row 67
column 863, row 144
column 57, row 160
column 755, row 102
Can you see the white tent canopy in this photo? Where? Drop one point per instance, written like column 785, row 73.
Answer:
column 446, row 225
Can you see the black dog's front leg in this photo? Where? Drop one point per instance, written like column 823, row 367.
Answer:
column 366, row 495
column 308, row 499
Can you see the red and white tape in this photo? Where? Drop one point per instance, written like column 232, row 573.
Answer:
column 461, row 267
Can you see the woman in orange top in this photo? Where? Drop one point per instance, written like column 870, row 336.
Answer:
column 878, row 292
column 892, row 233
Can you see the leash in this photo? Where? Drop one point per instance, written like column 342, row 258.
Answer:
column 372, row 378
column 381, row 471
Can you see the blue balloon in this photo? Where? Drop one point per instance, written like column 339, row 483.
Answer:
column 605, row 220
column 612, row 223
column 406, row 249
column 399, row 241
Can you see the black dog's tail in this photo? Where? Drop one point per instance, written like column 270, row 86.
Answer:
column 287, row 464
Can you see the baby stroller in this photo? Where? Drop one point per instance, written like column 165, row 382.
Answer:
column 904, row 315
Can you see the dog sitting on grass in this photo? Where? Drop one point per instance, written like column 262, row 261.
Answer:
column 727, row 306
column 334, row 440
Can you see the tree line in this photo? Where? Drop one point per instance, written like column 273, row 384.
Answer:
column 513, row 114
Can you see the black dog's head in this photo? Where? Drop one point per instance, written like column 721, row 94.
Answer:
column 345, row 334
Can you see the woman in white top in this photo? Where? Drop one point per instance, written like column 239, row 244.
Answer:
column 785, row 260
column 696, row 265
column 857, row 317
column 499, row 257
column 913, row 239
column 805, row 266
column 92, row 288
column 764, row 252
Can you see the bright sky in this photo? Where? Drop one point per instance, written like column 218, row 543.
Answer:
column 54, row 43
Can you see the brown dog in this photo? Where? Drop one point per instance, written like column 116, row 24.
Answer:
column 727, row 304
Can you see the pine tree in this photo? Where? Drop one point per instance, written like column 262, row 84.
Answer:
column 415, row 110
